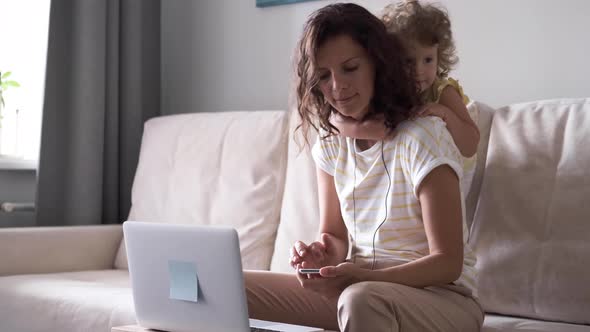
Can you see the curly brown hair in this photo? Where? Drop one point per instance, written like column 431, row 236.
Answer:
column 427, row 24
column 395, row 93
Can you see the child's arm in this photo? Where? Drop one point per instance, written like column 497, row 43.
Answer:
column 370, row 129
column 462, row 128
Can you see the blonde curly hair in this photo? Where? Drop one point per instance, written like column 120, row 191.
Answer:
column 427, row 24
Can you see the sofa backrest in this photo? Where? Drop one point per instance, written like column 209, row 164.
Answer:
column 223, row 168
column 485, row 115
column 300, row 210
column 532, row 221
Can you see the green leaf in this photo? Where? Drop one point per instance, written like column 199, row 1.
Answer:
column 12, row 83
column 6, row 74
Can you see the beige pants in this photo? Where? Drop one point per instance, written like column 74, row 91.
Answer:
column 365, row 306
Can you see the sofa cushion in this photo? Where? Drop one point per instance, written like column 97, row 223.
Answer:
column 531, row 226
column 223, row 168
column 300, row 214
column 485, row 114
column 90, row 301
column 495, row 323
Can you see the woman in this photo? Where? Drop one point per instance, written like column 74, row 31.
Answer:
column 399, row 199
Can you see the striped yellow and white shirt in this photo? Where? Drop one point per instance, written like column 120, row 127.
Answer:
column 361, row 180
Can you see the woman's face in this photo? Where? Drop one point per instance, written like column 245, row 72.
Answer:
column 347, row 76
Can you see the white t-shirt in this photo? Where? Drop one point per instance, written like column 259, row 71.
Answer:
column 362, row 182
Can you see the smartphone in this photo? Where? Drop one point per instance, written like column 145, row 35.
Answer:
column 309, row 271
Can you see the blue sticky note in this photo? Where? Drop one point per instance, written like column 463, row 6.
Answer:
column 184, row 283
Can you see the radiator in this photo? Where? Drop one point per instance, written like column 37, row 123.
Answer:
column 17, row 207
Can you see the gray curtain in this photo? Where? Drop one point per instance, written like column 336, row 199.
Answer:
column 102, row 83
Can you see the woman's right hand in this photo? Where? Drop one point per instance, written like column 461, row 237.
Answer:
column 318, row 254
column 307, row 256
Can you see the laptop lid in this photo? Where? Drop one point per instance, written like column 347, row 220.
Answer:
column 186, row 278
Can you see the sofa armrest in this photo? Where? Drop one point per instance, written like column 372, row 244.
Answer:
column 58, row 249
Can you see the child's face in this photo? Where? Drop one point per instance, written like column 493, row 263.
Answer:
column 347, row 76
column 424, row 59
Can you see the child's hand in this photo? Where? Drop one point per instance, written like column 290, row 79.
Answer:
column 338, row 119
column 347, row 126
column 433, row 109
column 372, row 128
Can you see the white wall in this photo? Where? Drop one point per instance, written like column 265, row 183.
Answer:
column 229, row 55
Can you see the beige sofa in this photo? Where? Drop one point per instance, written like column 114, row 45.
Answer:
column 528, row 210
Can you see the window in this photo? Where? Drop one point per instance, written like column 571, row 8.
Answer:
column 23, row 52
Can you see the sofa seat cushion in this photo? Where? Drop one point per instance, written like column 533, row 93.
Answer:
column 495, row 323
column 86, row 301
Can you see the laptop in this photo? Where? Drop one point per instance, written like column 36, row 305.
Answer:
column 188, row 278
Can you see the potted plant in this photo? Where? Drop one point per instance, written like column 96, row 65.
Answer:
column 5, row 84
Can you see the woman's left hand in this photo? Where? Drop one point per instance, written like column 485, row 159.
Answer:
column 334, row 279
